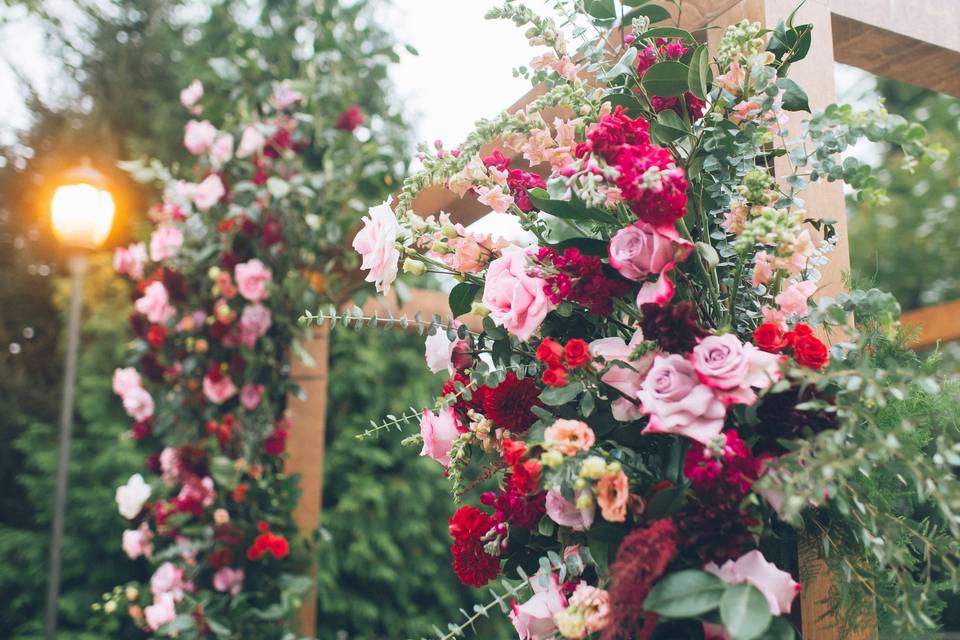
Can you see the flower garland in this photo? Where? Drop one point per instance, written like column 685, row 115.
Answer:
column 649, row 389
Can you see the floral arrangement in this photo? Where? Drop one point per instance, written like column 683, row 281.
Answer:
column 655, row 411
column 251, row 232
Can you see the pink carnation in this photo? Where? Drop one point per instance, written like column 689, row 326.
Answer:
column 130, row 260
column 516, row 300
column 255, row 321
column 155, row 303
column 641, row 249
column 678, row 403
column 198, row 136
column 218, row 389
column 138, row 404
column 251, row 141
column 221, row 150
column 439, row 431
column 161, row 612
column 164, row 242
column 191, row 94
column 252, row 279
column 168, row 578
column 777, row 586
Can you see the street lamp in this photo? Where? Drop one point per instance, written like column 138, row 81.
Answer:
column 82, row 214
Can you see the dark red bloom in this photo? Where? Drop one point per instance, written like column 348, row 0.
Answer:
column 577, row 353
column 509, row 404
column 518, row 509
column 768, row 337
column 142, row 429
column 581, row 279
column 810, row 352
column 778, row 417
column 473, row 565
column 675, row 327
column 276, row 442
column 513, row 451
column 156, row 334
column 642, row 558
column 736, row 467
column 350, row 119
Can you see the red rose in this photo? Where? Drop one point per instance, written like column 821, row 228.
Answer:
column 513, row 451
column 550, row 351
column 769, row 337
column 577, row 353
column 156, row 334
column 555, row 377
column 525, row 477
column 798, row 331
column 350, row 119
column 810, row 352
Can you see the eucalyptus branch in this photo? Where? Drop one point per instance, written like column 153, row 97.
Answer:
column 511, row 591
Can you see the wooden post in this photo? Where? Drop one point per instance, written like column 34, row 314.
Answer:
column 305, row 445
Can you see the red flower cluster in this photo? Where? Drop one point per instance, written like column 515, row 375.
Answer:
column 276, row 442
column 518, row 181
column 736, row 467
column 474, row 566
column 581, row 279
column 350, row 119
column 222, row 430
column 268, row 542
column 808, row 350
column 524, row 477
column 558, row 357
column 517, row 508
column 509, row 404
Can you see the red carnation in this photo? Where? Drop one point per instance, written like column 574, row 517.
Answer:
column 513, row 451
column 350, row 119
column 474, row 566
column 525, row 477
column 577, row 353
column 810, row 352
column 509, row 404
column 550, row 351
column 769, row 337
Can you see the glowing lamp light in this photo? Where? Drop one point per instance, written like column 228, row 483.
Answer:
column 82, row 212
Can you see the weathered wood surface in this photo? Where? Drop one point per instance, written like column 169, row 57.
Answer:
column 937, row 323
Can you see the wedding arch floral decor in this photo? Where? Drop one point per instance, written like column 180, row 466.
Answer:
column 252, row 231
column 655, row 406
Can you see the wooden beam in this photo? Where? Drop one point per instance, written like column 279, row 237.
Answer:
column 937, row 323
column 933, row 22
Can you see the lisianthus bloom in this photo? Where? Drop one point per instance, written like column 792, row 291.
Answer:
column 350, row 119
column 155, row 303
column 626, row 377
column 198, row 136
column 516, row 300
column 138, row 542
column 208, row 192
column 161, row 612
column 164, row 242
column 376, row 242
column 218, row 387
column 565, row 512
column 777, row 586
column 252, row 278
column 613, row 490
column 251, row 142
column 678, row 403
column 533, row 619
column 168, row 578
column 138, row 403
column 439, row 431
column 125, row 380
column 732, row 368
column 191, row 94
column 228, row 580
column 250, row 395
column 569, row 436
column 130, row 260
column 641, row 249
column 255, row 320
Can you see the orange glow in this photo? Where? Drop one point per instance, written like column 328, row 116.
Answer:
column 82, row 215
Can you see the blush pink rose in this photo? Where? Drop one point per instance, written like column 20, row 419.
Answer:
column 777, row 586
column 793, row 299
column 228, row 580
column 155, row 303
column 130, row 260
column 641, row 249
column 161, row 612
column 444, row 354
column 515, row 299
column 439, row 430
column 731, row 367
column 138, row 542
column 255, row 321
column 626, row 379
column 221, row 150
column 218, row 389
column 198, row 136
column 678, row 403
column 252, row 279
column 168, row 578
column 125, row 380
column 164, row 242
column 138, row 404
column 250, row 395
column 191, row 94
column 251, row 141
column 565, row 513
column 208, row 192
column 533, row 619
column 376, row 242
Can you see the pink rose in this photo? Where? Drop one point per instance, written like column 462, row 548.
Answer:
column 533, row 619
column 155, row 303
column 130, row 260
column 439, row 431
column 125, row 380
column 515, row 299
column 192, row 93
column 138, row 542
column 777, row 586
column 170, row 466
column 164, row 242
column 161, row 612
column 138, row 404
column 251, row 141
column 208, row 193
column 626, row 379
column 565, row 513
column 255, row 321
column 228, row 580
column 731, row 367
column 438, row 351
column 221, row 150
column 197, row 491
column 198, row 136
column 658, row 292
column 218, row 389
column 252, row 279
column 678, row 403
column 250, row 395
column 168, row 578
column 641, row 249
column 376, row 242
column 793, row 300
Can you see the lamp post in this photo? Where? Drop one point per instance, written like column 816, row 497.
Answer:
column 82, row 214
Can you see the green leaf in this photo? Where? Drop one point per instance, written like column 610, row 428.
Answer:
column 665, row 503
column 699, row 75
column 626, row 100
column 556, row 396
column 568, row 209
column 744, row 611
column 666, row 79
column 669, row 126
column 492, row 330
column 668, row 32
column 634, row 3
column 601, row 9
column 780, row 629
column 685, row 594
column 461, row 298
column 794, row 97
column 654, row 12
column 709, row 254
